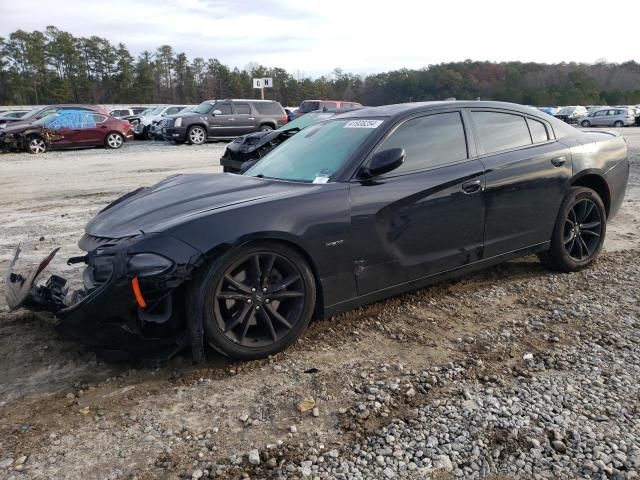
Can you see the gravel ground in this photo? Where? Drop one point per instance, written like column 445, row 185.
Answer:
column 514, row 372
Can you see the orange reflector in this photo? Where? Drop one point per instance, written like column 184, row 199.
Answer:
column 135, row 286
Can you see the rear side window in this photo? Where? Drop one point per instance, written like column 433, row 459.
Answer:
column 501, row 131
column 243, row 108
column 307, row 106
column 268, row 108
column 538, row 131
column 429, row 141
column 328, row 105
column 172, row 110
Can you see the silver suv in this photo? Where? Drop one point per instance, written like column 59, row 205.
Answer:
column 610, row 117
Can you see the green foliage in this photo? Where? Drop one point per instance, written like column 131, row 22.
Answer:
column 56, row 67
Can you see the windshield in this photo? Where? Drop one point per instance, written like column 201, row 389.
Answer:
column 46, row 120
column 305, row 121
column 32, row 113
column 155, row 111
column 566, row 110
column 203, row 108
column 316, row 153
column 307, row 107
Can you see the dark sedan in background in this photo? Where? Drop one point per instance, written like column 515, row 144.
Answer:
column 351, row 210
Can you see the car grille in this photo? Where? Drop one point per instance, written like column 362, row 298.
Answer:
column 167, row 122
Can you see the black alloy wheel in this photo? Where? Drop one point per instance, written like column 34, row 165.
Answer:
column 582, row 230
column 258, row 300
column 579, row 232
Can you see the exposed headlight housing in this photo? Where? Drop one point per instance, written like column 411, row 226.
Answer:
column 148, row 264
column 178, row 122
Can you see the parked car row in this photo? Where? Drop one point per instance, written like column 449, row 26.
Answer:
column 596, row 115
column 64, row 126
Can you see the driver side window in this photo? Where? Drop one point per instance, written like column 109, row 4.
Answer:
column 225, row 108
column 429, row 141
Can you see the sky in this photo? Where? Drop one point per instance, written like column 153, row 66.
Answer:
column 311, row 38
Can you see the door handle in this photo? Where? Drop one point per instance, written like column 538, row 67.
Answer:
column 232, row 119
column 472, row 186
column 251, row 118
column 558, row 162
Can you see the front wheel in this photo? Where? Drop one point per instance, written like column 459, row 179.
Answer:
column 257, row 300
column 114, row 140
column 196, row 135
column 36, row 145
column 586, row 123
column 579, row 232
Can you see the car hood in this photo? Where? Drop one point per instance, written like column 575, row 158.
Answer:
column 15, row 127
column 180, row 198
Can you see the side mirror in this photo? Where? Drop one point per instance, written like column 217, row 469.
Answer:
column 216, row 112
column 384, row 161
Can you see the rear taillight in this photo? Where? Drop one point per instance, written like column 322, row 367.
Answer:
column 286, row 118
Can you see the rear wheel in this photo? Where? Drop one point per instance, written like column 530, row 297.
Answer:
column 36, row 145
column 257, row 300
column 618, row 124
column 586, row 123
column 266, row 128
column 196, row 135
column 114, row 140
column 579, row 232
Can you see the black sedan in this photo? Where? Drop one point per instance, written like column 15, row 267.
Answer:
column 366, row 205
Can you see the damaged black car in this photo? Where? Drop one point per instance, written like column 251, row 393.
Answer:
column 245, row 151
column 354, row 209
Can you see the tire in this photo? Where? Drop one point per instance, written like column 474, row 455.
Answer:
column 36, row 145
column 266, row 128
column 579, row 232
column 618, row 124
column 249, row 313
column 586, row 123
column 114, row 140
column 196, row 135
column 145, row 133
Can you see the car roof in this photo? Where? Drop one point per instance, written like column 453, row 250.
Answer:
column 408, row 108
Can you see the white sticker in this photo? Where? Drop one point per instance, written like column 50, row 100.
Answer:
column 363, row 124
column 321, row 179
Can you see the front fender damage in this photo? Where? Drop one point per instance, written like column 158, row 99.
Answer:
column 107, row 316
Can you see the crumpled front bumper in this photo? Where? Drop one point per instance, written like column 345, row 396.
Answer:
column 106, row 317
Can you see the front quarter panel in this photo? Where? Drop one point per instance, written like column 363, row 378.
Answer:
column 316, row 219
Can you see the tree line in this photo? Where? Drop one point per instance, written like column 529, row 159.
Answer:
column 55, row 66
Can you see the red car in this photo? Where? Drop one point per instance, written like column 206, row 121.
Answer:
column 67, row 129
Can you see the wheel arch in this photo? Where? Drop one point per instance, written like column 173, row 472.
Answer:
column 281, row 238
column 198, row 124
column 269, row 123
column 595, row 181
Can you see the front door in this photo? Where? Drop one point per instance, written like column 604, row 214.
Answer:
column 425, row 217
column 224, row 123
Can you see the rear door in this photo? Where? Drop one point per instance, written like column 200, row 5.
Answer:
column 246, row 119
column 527, row 172
column 425, row 217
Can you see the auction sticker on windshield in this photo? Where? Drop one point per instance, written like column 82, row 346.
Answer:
column 363, row 124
